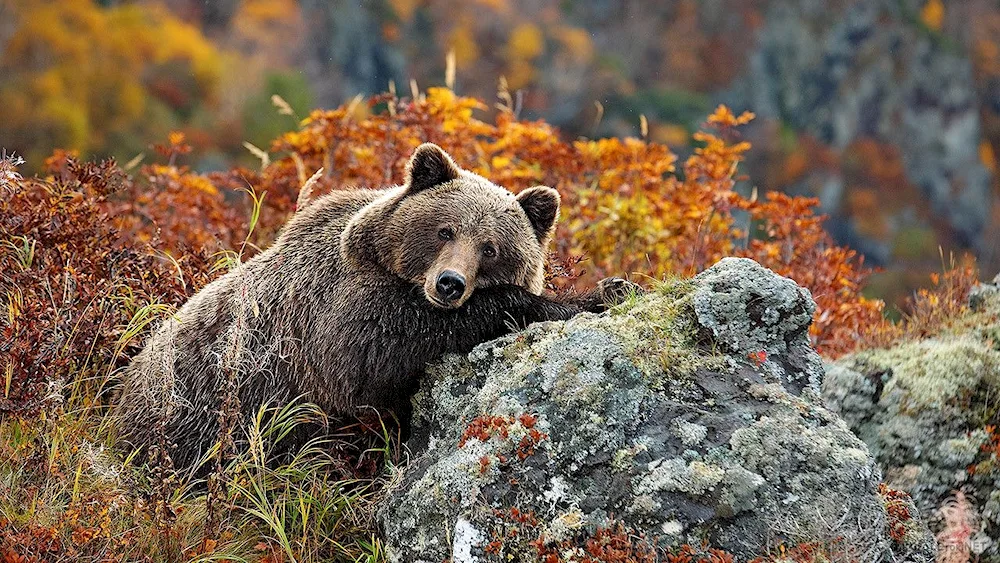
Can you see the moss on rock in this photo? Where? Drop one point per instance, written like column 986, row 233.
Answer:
column 641, row 419
column 928, row 411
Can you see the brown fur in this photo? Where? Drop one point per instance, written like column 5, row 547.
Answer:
column 343, row 309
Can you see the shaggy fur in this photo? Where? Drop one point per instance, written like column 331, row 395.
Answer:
column 344, row 308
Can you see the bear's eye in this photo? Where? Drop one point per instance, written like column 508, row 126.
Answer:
column 445, row 233
column 490, row 251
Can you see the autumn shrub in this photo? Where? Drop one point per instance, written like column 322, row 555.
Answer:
column 630, row 206
column 76, row 290
column 104, row 79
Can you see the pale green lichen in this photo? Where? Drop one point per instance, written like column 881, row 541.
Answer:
column 689, row 434
column 659, row 334
column 923, row 406
column 694, row 478
column 936, row 372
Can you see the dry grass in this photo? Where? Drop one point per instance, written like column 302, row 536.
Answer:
column 67, row 494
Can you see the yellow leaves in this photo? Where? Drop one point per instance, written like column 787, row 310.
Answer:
column 576, row 41
column 202, row 184
column 932, row 14
column 97, row 69
column 987, row 156
column 267, row 12
column 463, row 43
column 500, row 162
column 365, row 156
column 670, row 134
column 176, row 138
column 404, row 9
column 526, row 42
column 456, row 112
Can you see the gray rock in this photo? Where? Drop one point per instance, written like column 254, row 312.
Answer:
column 651, row 417
column 985, row 295
column 750, row 310
column 929, row 411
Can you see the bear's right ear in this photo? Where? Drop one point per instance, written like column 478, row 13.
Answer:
column 541, row 205
column 428, row 167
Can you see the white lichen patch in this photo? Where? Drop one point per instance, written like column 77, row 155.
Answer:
column 558, row 492
column 672, row 528
column 695, row 478
column 690, row 434
column 466, row 537
column 565, row 526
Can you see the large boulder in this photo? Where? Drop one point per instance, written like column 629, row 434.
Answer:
column 929, row 411
column 685, row 420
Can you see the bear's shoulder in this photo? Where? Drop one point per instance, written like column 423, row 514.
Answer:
column 327, row 214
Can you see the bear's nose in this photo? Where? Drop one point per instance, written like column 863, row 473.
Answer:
column 451, row 285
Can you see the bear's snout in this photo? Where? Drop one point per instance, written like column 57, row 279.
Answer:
column 450, row 286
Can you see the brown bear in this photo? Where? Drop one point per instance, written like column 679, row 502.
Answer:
column 360, row 290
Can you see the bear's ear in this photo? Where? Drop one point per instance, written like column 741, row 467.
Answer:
column 428, row 167
column 541, row 205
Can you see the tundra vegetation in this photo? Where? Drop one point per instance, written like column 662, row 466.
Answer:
column 93, row 255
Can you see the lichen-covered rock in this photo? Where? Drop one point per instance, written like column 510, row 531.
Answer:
column 750, row 311
column 984, row 294
column 659, row 426
column 929, row 411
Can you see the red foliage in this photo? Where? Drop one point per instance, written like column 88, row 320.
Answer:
column 898, row 510
column 689, row 554
column 72, row 282
column 615, row 544
column 484, row 427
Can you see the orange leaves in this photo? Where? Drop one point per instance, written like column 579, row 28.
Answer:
column 484, row 427
column 688, row 553
column 932, row 14
column 931, row 310
column 789, row 238
column 724, row 117
column 897, row 509
column 626, row 207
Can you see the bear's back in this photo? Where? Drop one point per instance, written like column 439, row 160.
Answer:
column 177, row 374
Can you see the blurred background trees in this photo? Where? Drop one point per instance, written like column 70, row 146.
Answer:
column 887, row 111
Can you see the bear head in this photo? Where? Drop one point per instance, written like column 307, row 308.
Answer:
column 450, row 231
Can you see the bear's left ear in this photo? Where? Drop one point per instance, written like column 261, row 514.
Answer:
column 428, row 167
column 541, row 205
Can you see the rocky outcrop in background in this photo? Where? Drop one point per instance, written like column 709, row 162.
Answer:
column 870, row 70
column 686, row 416
column 929, row 412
